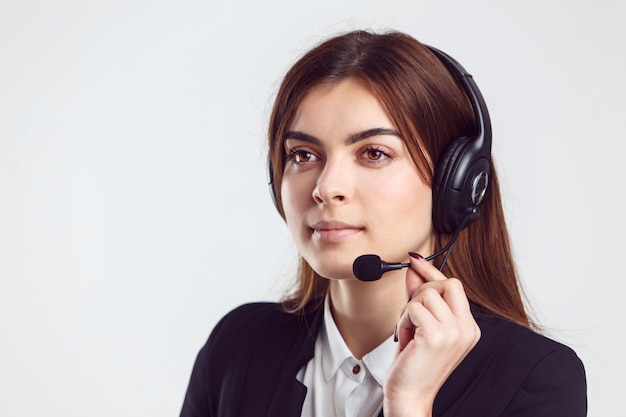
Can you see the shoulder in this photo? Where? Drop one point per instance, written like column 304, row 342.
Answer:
column 257, row 329
column 249, row 319
column 249, row 346
column 245, row 323
column 521, row 369
column 250, row 316
column 521, row 345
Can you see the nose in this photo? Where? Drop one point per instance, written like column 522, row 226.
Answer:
column 334, row 184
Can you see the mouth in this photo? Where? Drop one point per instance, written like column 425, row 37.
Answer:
column 324, row 231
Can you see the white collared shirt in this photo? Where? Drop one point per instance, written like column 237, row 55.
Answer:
column 337, row 383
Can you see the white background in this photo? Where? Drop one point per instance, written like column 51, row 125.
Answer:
column 134, row 209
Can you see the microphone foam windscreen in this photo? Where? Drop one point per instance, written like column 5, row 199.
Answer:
column 367, row 267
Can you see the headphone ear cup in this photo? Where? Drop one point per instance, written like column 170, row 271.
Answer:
column 443, row 208
column 270, row 183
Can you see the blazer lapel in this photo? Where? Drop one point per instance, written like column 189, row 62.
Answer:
column 290, row 393
column 288, row 397
column 285, row 346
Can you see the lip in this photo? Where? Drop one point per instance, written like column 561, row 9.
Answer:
column 333, row 231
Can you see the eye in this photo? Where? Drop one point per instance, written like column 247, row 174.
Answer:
column 376, row 155
column 300, row 156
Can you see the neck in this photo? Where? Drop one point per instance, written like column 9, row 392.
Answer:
column 366, row 312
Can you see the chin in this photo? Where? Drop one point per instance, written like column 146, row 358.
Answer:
column 334, row 271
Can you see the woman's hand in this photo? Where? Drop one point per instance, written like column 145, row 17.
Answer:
column 435, row 332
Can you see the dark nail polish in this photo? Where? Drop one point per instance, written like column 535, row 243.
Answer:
column 416, row 256
column 395, row 334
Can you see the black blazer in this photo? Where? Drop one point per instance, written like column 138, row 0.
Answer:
column 249, row 364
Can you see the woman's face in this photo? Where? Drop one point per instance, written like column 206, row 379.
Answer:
column 350, row 186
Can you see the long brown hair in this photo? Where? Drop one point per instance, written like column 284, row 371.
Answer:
column 429, row 108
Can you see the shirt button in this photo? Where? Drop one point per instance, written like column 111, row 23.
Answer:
column 356, row 369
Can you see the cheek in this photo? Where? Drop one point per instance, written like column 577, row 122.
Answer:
column 407, row 208
column 418, row 200
column 295, row 196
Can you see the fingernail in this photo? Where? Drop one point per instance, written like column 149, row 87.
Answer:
column 395, row 334
column 416, row 256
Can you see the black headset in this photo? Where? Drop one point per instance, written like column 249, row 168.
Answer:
column 462, row 173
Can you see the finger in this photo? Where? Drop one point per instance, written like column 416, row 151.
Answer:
column 451, row 293
column 413, row 282
column 425, row 269
column 419, row 273
column 431, row 297
column 415, row 317
column 428, row 314
column 424, row 313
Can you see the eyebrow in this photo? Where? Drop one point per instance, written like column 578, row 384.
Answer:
column 351, row 139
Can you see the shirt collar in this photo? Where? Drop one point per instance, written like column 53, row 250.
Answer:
column 335, row 351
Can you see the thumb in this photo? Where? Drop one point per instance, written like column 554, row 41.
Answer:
column 413, row 278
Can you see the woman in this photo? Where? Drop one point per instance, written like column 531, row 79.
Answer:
column 357, row 126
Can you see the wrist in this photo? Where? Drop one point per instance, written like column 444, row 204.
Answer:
column 399, row 408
